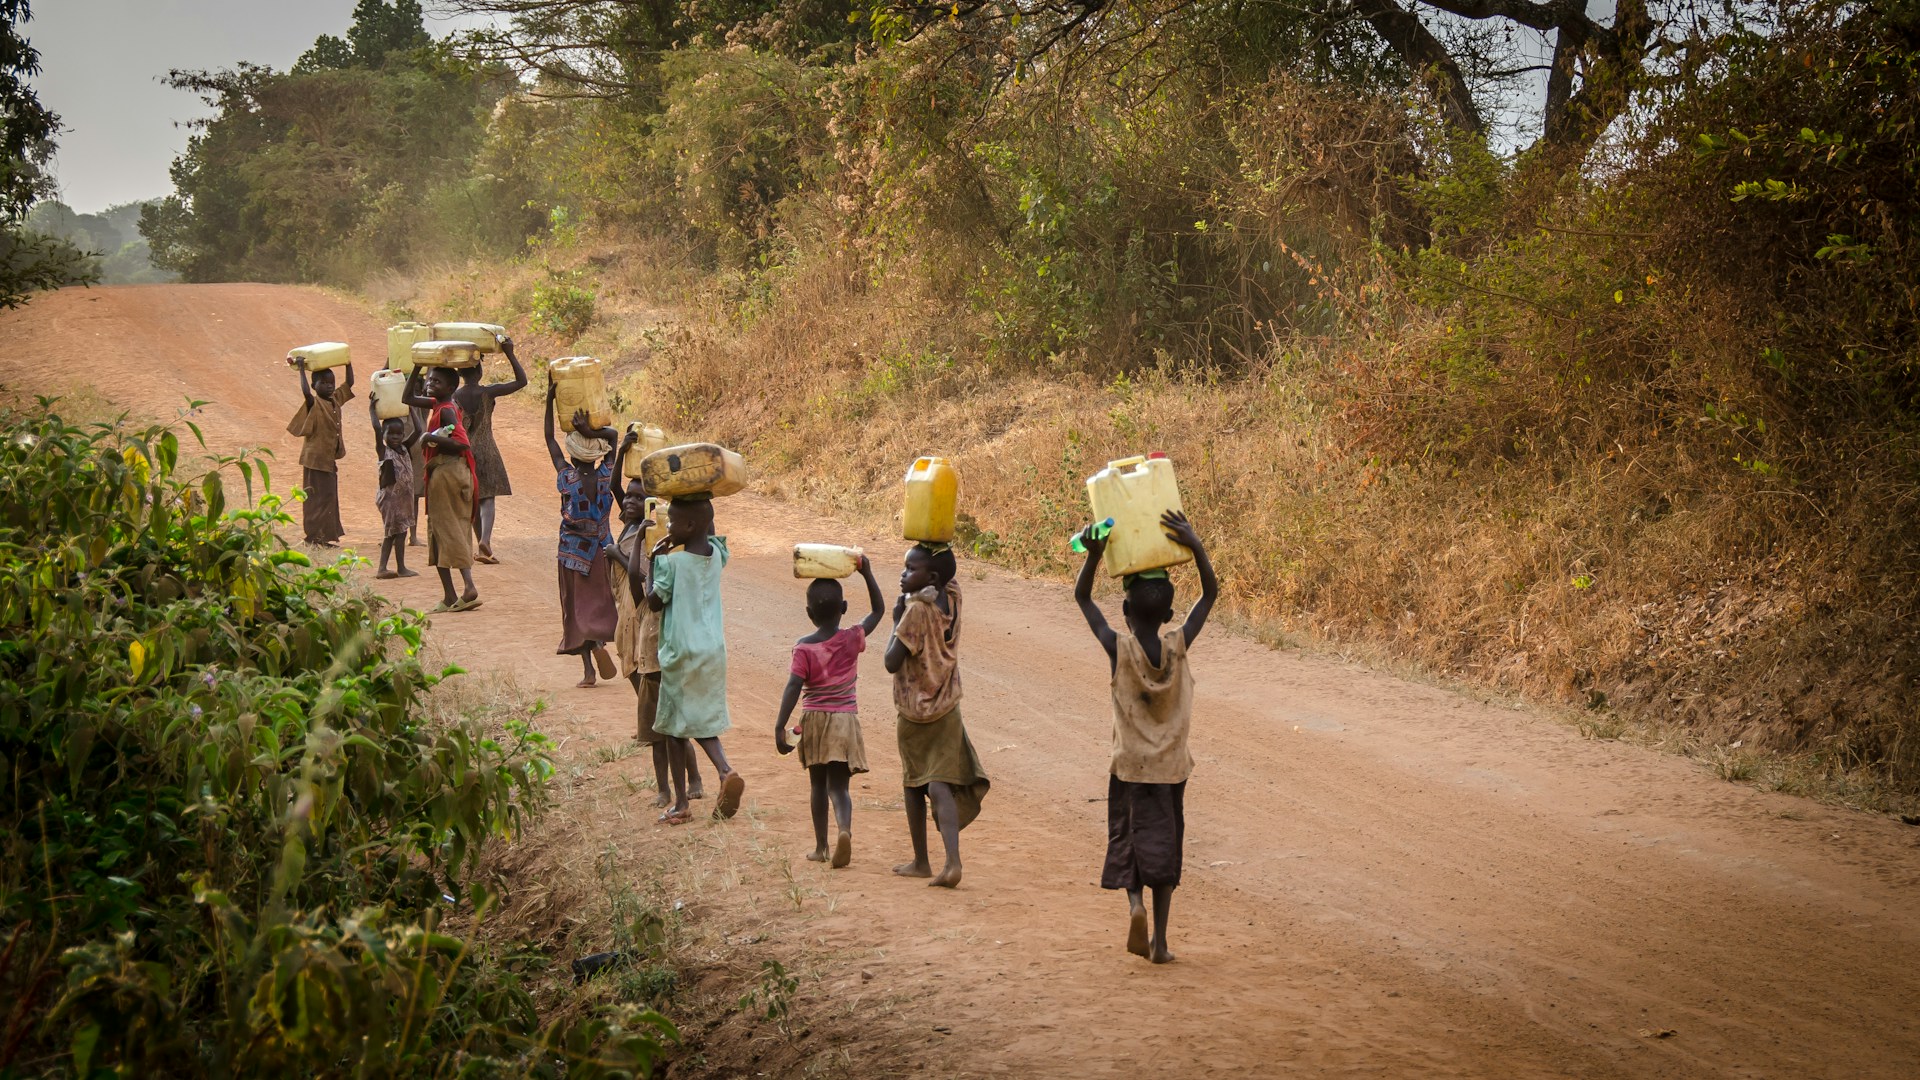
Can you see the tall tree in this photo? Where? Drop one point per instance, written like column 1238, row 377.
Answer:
column 28, row 261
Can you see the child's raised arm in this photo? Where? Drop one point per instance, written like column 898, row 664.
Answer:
column 513, row 385
column 896, row 649
column 872, row 622
column 788, row 699
column 415, row 394
column 413, row 433
column 306, row 388
column 1083, row 592
column 620, row 465
column 348, row 385
column 637, row 567
column 1180, row 531
column 553, row 444
column 379, row 425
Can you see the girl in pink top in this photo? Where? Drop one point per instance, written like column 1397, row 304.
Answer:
column 826, row 664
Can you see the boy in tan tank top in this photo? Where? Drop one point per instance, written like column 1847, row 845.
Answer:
column 1152, row 709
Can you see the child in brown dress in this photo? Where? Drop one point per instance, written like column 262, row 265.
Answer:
column 449, row 462
column 1152, row 710
column 321, row 446
column 937, row 760
column 398, row 509
column 826, row 664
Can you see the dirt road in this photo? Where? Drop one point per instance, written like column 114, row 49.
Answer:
column 1382, row 878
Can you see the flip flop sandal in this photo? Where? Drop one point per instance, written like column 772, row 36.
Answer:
column 441, row 607
column 674, row 818
column 604, row 663
column 730, row 791
column 466, row 605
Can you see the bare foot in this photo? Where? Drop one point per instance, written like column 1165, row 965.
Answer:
column 949, row 876
column 843, row 850
column 819, row 855
column 1137, row 930
column 913, row 869
column 1160, row 953
column 585, row 684
column 416, row 542
column 408, row 573
column 386, row 574
column 696, row 792
column 663, row 800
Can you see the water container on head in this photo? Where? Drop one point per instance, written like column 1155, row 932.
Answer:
column 693, row 469
column 648, row 440
column 484, row 336
column 933, row 497
column 579, row 382
column 401, row 338
column 825, row 560
column 388, row 388
column 322, row 355
column 446, row 354
column 1135, row 492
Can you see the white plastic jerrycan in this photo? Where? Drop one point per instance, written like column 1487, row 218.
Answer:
column 1135, row 492
column 387, row 387
column 322, row 355
column 825, row 561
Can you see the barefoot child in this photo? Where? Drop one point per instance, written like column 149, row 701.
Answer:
column 449, row 463
column 937, row 760
column 825, row 665
column 636, row 639
column 318, row 425
column 396, row 439
column 684, row 586
column 584, row 476
column 476, row 399
column 1152, row 708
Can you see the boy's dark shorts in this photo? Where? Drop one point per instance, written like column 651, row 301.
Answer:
column 1146, row 834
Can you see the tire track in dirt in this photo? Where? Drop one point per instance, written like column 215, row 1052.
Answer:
column 1383, row 878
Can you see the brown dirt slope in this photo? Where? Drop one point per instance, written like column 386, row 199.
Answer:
column 1383, row 878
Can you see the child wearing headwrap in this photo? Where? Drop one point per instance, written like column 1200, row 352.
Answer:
column 583, row 473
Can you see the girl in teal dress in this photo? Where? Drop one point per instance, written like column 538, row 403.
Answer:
column 685, row 588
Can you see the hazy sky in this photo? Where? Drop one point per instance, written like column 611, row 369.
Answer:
column 101, row 61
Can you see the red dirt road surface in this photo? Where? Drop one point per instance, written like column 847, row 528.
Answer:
column 1382, row 878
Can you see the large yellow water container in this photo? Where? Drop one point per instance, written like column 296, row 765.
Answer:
column 322, row 355
column 580, row 382
column 933, row 498
column 649, row 439
column 387, row 388
column 1134, row 492
column 446, row 354
column 674, row 471
column 401, row 338
column 825, row 561
column 485, row 335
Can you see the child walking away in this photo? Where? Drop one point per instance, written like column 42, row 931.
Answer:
column 489, row 468
column 937, row 760
column 636, row 637
column 322, row 445
column 1152, row 709
column 826, row 664
column 584, row 476
column 449, row 461
column 684, row 586
column 396, row 439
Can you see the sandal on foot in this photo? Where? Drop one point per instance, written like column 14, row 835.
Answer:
column 674, row 817
column 604, row 662
column 730, row 791
column 842, row 850
column 466, row 605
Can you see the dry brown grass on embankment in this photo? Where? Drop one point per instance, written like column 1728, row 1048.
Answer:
column 1646, row 583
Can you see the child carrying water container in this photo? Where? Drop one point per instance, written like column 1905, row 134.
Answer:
column 398, row 509
column 684, row 587
column 449, row 461
column 937, row 760
column 1152, row 710
column 583, row 473
column 826, row 664
column 321, row 446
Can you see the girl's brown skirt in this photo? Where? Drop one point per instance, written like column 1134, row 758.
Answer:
column 449, row 513
column 832, row 736
column 320, row 514
column 587, row 615
column 939, row 750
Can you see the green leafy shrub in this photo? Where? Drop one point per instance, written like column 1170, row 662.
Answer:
column 562, row 308
column 236, row 842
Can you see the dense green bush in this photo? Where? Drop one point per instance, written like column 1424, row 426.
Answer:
column 236, row 840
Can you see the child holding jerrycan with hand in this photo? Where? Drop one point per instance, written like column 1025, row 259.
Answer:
column 826, row 664
column 1152, row 710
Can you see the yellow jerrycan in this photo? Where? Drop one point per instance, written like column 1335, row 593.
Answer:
column 674, row 471
column 580, row 382
column 401, row 338
column 321, row 355
column 649, row 439
column 446, row 354
column 825, row 560
column 1134, row 492
column 933, row 498
column 484, row 335
column 388, row 388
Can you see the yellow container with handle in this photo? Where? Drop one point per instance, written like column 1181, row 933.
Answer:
column 825, row 560
column 401, row 338
column 650, row 439
column 579, row 382
column 485, row 336
column 933, row 500
column 1135, row 492
column 674, row 471
column 322, row 355
column 446, row 354
column 388, row 389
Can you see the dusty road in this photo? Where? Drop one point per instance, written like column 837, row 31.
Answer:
column 1383, row 878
